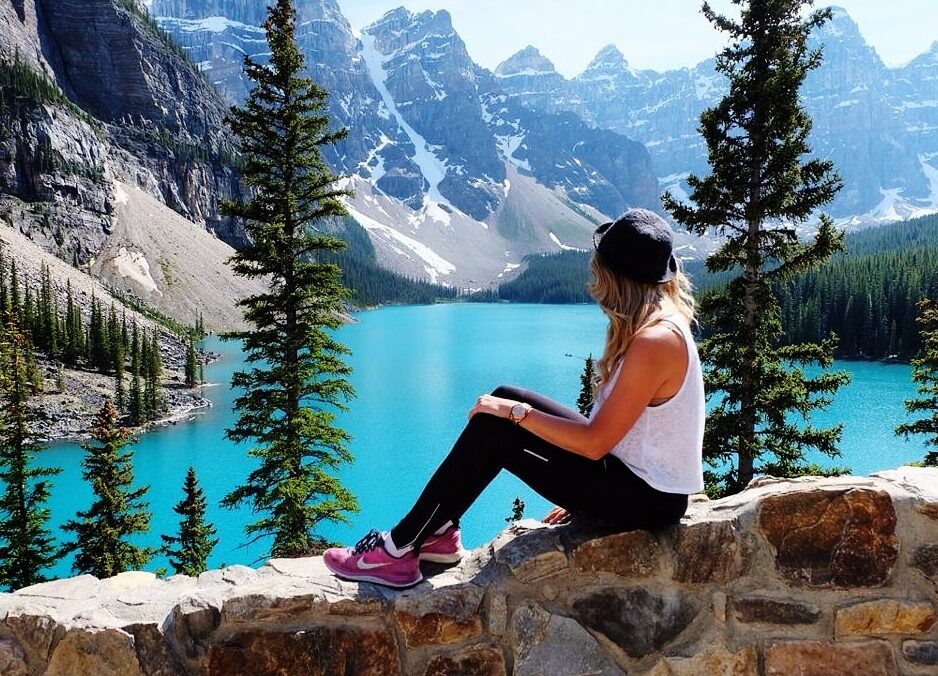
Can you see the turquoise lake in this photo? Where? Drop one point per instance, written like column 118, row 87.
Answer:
column 417, row 371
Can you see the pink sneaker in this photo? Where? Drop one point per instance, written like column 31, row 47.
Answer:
column 368, row 561
column 443, row 548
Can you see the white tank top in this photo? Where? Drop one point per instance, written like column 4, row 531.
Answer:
column 665, row 445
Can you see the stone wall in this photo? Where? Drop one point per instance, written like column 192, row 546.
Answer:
column 814, row 576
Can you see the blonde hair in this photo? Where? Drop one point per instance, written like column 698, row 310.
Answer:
column 631, row 306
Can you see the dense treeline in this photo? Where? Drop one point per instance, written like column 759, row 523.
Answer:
column 104, row 343
column 556, row 278
column 867, row 295
column 372, row 285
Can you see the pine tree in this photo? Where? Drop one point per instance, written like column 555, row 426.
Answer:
column 26, row 543
column 288, row 407
column 153, row 366
column 192, row 373
column 103, row 533
column 117, row 357
column 135, row 403
column 759, row 191
column 925, row 375
column 584, row 402
column 14, row 301
column 195, row 543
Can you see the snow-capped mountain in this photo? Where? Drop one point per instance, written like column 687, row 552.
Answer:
column 454, row 181
column 879, row 125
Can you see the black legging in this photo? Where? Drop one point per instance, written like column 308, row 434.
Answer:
column 604, row 490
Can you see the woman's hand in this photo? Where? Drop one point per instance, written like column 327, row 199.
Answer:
column 557, row 516
column 496, row 406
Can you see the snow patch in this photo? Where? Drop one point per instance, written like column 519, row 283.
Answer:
column 563, row 246
column 121, row 196
column 213, row 24
column 432, row 168
column 434, row 264
column 133, row 265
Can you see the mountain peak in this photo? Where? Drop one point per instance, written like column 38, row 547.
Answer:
column 608, row 58
column 528, row 61
column 841, row 25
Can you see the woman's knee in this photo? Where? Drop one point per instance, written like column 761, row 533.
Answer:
column 508, row 392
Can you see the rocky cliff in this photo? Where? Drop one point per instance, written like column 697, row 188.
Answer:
column 820, row 577
column 115, row 100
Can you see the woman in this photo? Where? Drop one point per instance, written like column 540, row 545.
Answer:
column 631, row 464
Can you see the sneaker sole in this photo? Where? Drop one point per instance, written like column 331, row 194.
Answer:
column 375, row 580
column 442, row 558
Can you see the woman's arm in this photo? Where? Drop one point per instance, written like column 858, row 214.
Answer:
column 654, row 362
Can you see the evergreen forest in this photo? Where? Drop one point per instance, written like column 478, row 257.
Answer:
column 867, row 295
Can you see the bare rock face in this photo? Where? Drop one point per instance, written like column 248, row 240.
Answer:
column 538, row 600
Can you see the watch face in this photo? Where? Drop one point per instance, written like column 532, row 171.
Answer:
column 517, row 411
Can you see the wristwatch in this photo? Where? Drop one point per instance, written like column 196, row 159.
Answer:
column 519, row 412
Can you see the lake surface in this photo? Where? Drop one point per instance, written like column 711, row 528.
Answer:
column 417, row 371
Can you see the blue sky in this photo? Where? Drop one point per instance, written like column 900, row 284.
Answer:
column 658, row 34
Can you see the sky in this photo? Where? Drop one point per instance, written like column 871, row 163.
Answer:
column 655, row 34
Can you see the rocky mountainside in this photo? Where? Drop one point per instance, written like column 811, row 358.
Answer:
column 878, row 124
column 434, row 142
column 89, row 116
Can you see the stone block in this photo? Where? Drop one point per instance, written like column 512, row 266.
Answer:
column 921, row 652
column 925, row 559
column 440, row 616
column 318, row 651
column 832, row 537
column 774, row 611
column 631, row 554
column 476, row 661
column 885, row 616
column 35, row 631
column 530, row 552
column 637, row 620
column 814, row 658
column 716, row 661
column 12, row 659
column 87, row 652
column 712, row 551
column 153, row 653
column 189, row 626
column 550, row 644
column 78, row 588
column 496, row 613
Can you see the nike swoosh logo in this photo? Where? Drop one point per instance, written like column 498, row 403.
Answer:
column 368, row 566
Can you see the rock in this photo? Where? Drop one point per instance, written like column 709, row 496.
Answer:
column 774, row 611
column 531, row 551
column 631, row 554
column 153, row 653
column 440, row 616
column 832, row 537
column 188, row 627
column 87, row 652
column 496, row 613
column 637, row 620
column 78, row 588
column 921, row 652
column 36, row 632
column 813, row 658
column 714, row 551
column 930, row 510
column 925, row 559
column 318, row 651
column 716, row 661
column 476, row 661
column 12, row 659
column 551, row 644
column 885, row 616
